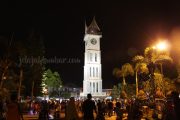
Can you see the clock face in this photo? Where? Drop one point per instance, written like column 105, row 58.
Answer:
column 93, row 41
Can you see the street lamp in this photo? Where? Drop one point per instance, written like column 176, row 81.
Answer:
column 161, row 47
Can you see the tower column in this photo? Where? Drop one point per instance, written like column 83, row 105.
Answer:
column 95, row 87
column 91, row 87
column 99, row 85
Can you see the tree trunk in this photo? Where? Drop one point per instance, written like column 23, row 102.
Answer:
column 2, row 79
column 20, row 82
column 124, row 82
column 161, row 68
column 32, row 90
column 136, row 84
column 3, row 75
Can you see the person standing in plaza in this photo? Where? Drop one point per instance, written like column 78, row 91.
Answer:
column 71, row 110
column 110, row 108
column 118, row 111
column 88, row 108
column 14, row 111
column 176, row 101
column 44, row 112
column 3, row 109
column 100, row 115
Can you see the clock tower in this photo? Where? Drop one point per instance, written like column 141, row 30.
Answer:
column 92, row 82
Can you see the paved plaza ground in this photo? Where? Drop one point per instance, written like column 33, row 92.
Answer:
column 35, row 117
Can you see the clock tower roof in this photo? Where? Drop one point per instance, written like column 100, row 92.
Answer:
column 93, row 28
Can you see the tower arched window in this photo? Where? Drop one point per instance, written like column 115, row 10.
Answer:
column 93, row 87
column 90, row 71
column 90, row 87
column 95, row 57
column 90, row 56
column 93, row 72
column 96, row 71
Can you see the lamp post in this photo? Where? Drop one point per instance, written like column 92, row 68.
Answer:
column 160, row 47
column 60, row 92
column 158, row 55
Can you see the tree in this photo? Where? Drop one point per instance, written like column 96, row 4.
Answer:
column 4, row 67
column 20, row 51
column 52, row 81
column 140, row 67
column 115, row 92
column 125, row 70
column 153, row 58
column 131, row 90
column 36, row 50
column 117, row 72
column 156, row 56
column 5, row 61
column 17, row 73
column 160, row 59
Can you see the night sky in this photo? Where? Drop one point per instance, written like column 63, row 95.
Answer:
column 127, row 28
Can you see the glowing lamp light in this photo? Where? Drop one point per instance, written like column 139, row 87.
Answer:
column 163, row 45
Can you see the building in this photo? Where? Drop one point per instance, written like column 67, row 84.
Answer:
column 92, row 82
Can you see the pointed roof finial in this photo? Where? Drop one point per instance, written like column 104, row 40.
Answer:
column 93, row 28
column 85, row 27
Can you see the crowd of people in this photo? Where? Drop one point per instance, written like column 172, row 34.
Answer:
column 91, row 109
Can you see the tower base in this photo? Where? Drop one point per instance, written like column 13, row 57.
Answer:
column 94, row 95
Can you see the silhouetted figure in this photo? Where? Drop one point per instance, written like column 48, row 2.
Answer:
column 3, row 109
column 57, row 111
column 136, row 113
column 110, row 108
column 176, row 101
column 71, row 111
column 44, row 113
column 119, row 111
column 100, row 115
column 103, row 104
column 14, row 111
column 170, row 111
column 158, row 114
column 88, row 108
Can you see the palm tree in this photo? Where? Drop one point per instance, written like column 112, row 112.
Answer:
column 125, row 70
column 155, row 56
column 160, row 59
column 140, row 67
column 117, row 72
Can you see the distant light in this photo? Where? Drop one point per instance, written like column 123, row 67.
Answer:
column 109, row 97
column 154, row 47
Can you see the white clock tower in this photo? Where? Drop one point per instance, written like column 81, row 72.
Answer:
column 92, row 61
